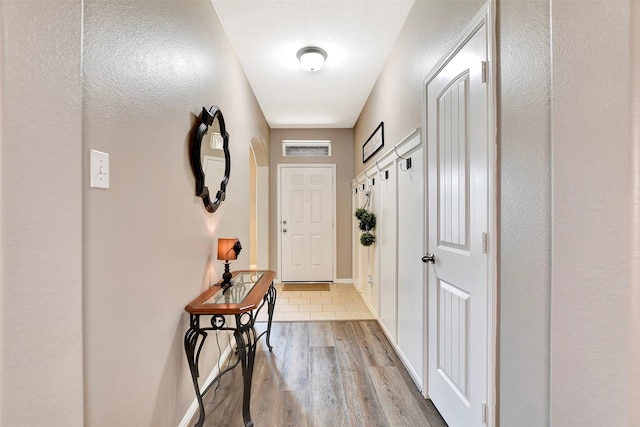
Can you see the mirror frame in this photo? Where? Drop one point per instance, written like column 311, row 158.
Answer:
column 206, row 120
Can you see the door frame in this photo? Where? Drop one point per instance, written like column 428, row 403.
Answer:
column 485, row 16
column 334, row 245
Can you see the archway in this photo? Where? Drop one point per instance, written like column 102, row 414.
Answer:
column 259, row 204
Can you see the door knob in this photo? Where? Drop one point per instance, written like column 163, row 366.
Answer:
column 284, row 230
column 429, row 258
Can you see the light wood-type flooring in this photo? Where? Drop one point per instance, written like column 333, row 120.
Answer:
column 323, row 374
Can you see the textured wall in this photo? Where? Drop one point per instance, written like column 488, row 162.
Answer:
column 396, row 99
column 40, row 214
column 149, row 243
column 525, row 211
column 341, row 155
column 591, row 213
column 634, row 386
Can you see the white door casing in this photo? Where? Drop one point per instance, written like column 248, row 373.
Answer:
column 306, row 222
column 457, row 118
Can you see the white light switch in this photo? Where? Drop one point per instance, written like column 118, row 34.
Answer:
column 99, row 169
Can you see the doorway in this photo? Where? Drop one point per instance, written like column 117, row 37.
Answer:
column 461, row 204
column 259, row 204
column 306, row 222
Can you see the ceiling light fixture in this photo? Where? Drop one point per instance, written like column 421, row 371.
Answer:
column 312, row 58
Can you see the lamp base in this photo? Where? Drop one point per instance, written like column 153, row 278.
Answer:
column 226, row 278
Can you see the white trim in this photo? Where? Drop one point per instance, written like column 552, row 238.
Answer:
column 485, row 16
column 403, row 147
column 343, row 281
column 414, row 376
column 281, row 166
column 492, row 155
column 369, row 306
column 214, row 372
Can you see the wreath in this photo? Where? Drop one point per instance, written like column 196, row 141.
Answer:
column 367, row 224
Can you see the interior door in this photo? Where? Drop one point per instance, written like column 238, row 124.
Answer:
column 306, row 223
column 457, row 140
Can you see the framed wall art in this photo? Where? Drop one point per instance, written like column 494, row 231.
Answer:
column 374, row 143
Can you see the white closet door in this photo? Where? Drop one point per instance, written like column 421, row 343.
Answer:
column 411, row 292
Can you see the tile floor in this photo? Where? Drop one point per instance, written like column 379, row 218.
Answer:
column 341, row 302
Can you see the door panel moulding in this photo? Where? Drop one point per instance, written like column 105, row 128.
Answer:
column 331, row 166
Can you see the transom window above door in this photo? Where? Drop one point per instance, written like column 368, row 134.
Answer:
column 306, row 148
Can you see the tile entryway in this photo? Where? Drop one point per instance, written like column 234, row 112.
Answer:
column 341, row 302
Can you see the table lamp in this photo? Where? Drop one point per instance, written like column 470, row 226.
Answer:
column 228, row 249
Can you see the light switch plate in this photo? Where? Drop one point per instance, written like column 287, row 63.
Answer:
column 99, row 169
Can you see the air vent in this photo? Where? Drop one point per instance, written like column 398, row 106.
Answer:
column 306, row 148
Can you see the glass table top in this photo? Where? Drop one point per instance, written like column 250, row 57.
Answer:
column 242, row 282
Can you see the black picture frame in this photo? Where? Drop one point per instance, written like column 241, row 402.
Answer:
column 374, row 143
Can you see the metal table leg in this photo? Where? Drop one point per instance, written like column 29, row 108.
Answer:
column 246, row 340
column 193, row 342
column 270, row 297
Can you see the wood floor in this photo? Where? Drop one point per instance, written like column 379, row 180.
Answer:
column 342, row 374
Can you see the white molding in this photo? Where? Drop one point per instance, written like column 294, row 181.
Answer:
column 343, row 281
column 414, row 376
column 406, row 145
column 371, row 310
column 492, row 155
column 214, row 372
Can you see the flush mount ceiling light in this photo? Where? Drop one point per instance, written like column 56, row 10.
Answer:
column 312, row 58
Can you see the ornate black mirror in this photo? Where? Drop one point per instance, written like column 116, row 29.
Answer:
column 210, row 158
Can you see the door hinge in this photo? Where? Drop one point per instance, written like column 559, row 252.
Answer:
column 485, row 413
column 485, row 243
column 484, row 71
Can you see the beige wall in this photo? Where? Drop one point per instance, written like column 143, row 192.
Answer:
column 634, row 386
column 148, row 242
column 525, row 211
column 341, row 155
column 41, row 372
column 430, row 30
column 592, row 207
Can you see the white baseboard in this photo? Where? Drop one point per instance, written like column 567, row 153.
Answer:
column 374, row 312
column 414, row 376
column 214, row 372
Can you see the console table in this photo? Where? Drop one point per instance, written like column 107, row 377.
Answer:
column 251, row 290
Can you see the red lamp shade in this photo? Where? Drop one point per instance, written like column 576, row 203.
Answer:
column 226, row 250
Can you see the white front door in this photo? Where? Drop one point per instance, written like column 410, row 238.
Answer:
column 457, row 142
column 306, row 223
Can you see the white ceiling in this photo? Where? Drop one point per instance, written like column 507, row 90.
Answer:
column 357, row 35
